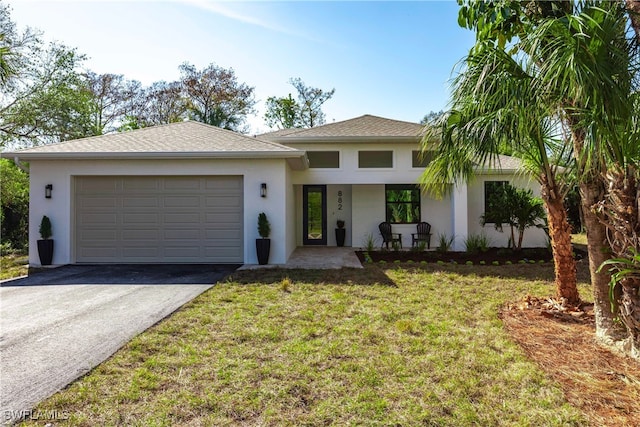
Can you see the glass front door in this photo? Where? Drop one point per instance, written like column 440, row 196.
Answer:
column 314, row 214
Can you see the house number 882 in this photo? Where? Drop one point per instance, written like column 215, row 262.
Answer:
column 340, row 200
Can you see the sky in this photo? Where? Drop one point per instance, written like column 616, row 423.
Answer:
column 390, row 59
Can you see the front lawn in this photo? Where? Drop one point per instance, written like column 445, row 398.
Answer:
column 410, row 345
column 13, row 265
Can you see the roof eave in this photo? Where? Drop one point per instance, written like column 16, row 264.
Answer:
column 154, row 155
column 348, row 139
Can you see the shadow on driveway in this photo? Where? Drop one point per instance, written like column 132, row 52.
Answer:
column 127, row 274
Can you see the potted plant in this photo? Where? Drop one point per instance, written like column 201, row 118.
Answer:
column 263, row 245
column 45, row 246
column 341, row 233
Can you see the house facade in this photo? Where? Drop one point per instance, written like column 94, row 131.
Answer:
column 191, row 193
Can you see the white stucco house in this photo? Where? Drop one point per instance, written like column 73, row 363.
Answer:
column 191, row 193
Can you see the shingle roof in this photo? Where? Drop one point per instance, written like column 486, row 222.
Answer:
column 504, row 163
column 176, row 138
column 367, row 126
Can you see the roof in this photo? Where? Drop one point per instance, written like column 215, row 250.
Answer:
column 365, row 128
column 504, row 163
column 175, row 140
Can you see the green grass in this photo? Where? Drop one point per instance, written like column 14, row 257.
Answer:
column 403, row 345
column 14, row 265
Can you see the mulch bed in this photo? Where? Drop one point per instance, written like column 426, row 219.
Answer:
column 603, row 384
column 490, row 256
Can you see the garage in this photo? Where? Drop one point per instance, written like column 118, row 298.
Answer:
column 158, row 219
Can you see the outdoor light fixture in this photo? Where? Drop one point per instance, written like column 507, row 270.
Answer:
column 263, row 189
column 47, row 190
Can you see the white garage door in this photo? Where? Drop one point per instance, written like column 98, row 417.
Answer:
column 159, row 219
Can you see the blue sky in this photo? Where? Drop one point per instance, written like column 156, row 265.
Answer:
column 392, row 59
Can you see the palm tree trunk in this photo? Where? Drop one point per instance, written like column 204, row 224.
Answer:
column 633, row 8
column 591, row 192
column 560, row 235
column 621, row 216
column 599, row 251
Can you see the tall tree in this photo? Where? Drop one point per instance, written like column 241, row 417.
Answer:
column 42, row 99
column 48, row 101
column 494, row 103
column 215, row 96
column 310, row 100
column 163, row 103
column 114, row 99
column 584, row 61
column 305, row 112
column 282, row 113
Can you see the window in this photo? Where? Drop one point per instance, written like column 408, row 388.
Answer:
column 324, row 159
column 492, row 190
column 375, row 159
column 402, row 202
column 421, row 159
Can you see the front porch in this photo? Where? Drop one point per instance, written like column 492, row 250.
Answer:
column 316, row 257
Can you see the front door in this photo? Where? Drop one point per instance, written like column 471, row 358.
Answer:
column 314, row 214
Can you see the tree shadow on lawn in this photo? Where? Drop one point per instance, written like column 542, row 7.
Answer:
column 515, row 271
column 368, row 276
column 374, row 273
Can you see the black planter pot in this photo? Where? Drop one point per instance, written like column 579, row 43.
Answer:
column 45, row 251
column 341, row 233
column 263, row 246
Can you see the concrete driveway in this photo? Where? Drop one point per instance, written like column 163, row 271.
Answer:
column 57, row 325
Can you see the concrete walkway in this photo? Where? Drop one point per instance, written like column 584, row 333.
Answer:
column 319, row 257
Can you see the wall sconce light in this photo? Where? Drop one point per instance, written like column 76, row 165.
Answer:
column 263, row 189
column 47, row 190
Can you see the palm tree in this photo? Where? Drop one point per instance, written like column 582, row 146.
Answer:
column 584, row 63
column 589, row 63
column 495, row 103
column 7, row 66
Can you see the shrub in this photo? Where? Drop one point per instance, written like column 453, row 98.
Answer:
column 369, row 243
column 475, row 243
column 420, row 247
column 45, row 228
column 264, row 227
column 444, row 242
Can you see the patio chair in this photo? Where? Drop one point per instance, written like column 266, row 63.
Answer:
column 388, row 236
column 423, row 235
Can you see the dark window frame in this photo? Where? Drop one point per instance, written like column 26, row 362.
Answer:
column 396, row 203
column 489, row 188
column 421, row 159
column 311, row 153
column 362, row 153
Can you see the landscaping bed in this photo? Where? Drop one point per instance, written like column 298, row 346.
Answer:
column 492, row 256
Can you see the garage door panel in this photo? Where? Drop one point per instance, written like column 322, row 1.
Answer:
column 140, row 202
column 146, row 235
column 159, row 219
column 184, row 202
column 140, row 218
column 175, row 234
column 101, row 253
column 184, row 219
column 103, row 219
column 226, row 201
column 99, row 202
column 91, row 234
column 95, row 186
column 143, row 252
column 141, row 184
column 230, row 183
